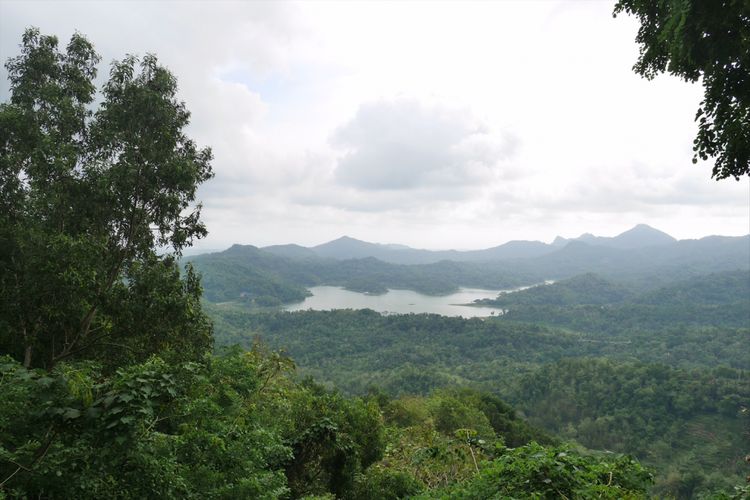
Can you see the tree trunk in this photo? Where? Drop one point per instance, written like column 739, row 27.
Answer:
column 27, row 357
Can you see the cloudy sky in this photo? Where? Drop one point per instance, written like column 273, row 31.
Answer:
column 437, row 125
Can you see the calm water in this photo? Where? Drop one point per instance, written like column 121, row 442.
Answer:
column 398, row 301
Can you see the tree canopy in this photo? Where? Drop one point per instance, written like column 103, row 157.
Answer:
column 94, row 206
column 709, row 41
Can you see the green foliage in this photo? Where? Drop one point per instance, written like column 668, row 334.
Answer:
column 503, row 418
column 533, row 471
column 433, row 459
column 688, row 424
column 703, row 40
column 333, row 439
column 86, row 199
column 485, row 415
column 157, row 310
column 417, row 353
column 250, row 276
column 731, row 288
column 583, row 289
column 171, row 431
column 681, row 421
column 236, row 426
column 379, row 483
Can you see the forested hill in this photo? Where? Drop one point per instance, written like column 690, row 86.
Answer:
column 283, row 274
column 249, row 274
column 653, row 390
column 728, row 288
column 586, row 288
column 662, row 374
column 686, row 307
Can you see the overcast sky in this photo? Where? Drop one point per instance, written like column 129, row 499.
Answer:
column 436, row 125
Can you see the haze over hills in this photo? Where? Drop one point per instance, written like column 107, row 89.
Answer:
column 640, row 236
column 642, row 258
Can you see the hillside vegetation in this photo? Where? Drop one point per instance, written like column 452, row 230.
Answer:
column 259, row 277
column 638, row 375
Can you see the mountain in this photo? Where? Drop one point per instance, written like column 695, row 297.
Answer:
column 350, row 248
column 640, row 236
column 643, row 268
column 250, row 274
column 282, row 274
column 559, row 241
column 247, row 274
column 510, row 250
column 291, row 251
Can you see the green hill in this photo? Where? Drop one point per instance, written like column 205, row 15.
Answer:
column 583, row 289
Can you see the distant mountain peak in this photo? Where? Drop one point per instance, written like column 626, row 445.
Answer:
column 643, row 228
column 346, row 238
column 346, row 247
column 642, row 235
column 239, row 247
column 588, row 237
column 639, row 236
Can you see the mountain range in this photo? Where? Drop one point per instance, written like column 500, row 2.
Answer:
column 640, row 236
column 642, row 258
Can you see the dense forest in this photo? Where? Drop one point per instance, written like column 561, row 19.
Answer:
column 662, row 374
column 129, row 371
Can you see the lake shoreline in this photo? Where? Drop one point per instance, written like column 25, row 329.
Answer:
column 399, row 301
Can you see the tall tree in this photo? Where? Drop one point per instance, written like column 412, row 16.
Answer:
column 706, row 40
column 87, row 198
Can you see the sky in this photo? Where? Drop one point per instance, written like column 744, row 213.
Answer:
column 432, row 124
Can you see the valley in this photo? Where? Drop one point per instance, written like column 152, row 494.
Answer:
column 633, row 349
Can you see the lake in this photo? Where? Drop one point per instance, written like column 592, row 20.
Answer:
column 399, row 301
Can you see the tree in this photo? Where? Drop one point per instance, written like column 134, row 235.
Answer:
column 88, row 199
column 708, row 40
column 534, row 471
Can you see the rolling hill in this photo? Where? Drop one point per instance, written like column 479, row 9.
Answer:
column 640, row 259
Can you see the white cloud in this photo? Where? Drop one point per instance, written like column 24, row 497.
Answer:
column 404, row 144
column 523, row 119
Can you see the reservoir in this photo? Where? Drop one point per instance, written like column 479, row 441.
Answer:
column 399, row 302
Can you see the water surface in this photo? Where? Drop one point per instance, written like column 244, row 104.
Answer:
column 399, row 301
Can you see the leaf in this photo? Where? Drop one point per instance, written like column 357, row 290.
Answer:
column 71, row 413
column 93, row 412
